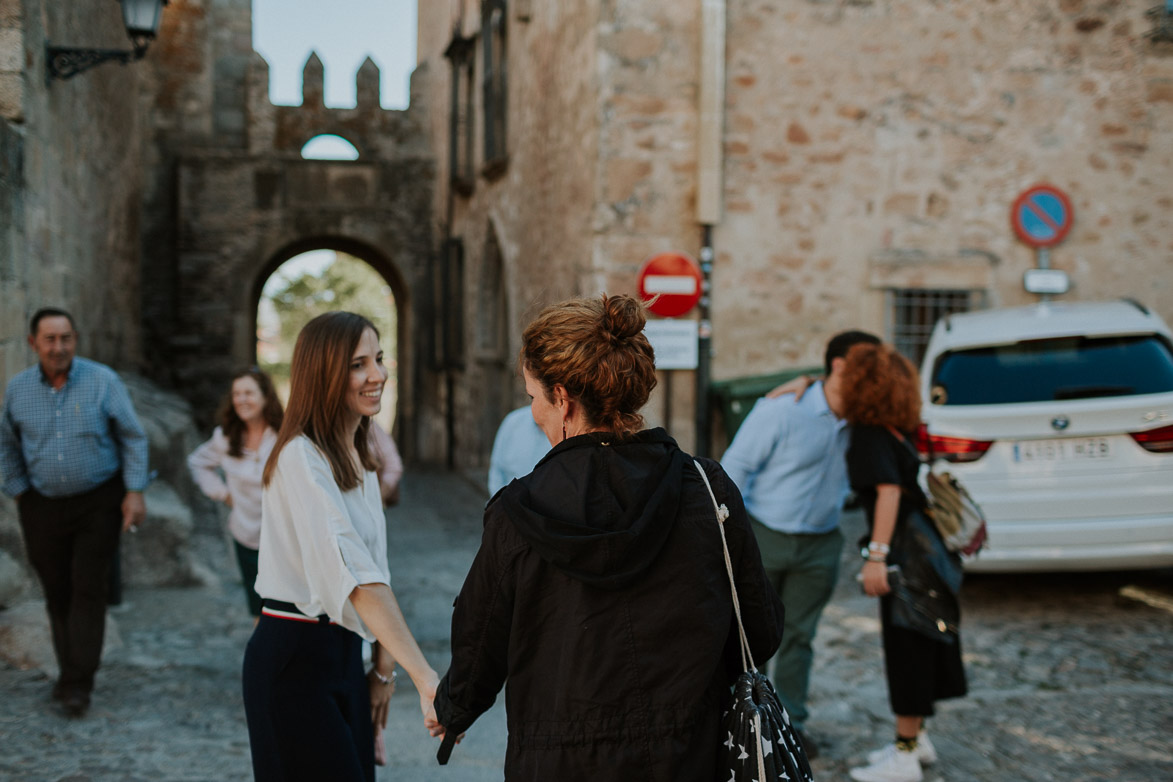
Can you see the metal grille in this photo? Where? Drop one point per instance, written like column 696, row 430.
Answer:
column 912, row 313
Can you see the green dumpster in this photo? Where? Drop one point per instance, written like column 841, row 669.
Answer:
column 734, row 398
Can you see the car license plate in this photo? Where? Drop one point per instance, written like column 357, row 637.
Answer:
column 1067, row 449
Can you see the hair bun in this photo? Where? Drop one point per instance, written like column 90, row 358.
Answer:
column 623, row 317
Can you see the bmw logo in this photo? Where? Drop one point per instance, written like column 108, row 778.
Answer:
column 1060, row 422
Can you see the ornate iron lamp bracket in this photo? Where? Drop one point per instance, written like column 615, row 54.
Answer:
column 63, row 62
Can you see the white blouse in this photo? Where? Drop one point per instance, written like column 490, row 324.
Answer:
column 318, row 542
column 241, row 481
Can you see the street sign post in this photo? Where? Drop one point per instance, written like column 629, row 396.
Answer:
column 675, row 278
column 1041, row 216
column 675, row 343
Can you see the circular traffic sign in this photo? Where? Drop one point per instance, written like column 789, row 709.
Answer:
column 1042, row 216
column 670, row 283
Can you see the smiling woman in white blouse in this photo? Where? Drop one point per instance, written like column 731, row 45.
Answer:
column 323, row 575
column 228, row 467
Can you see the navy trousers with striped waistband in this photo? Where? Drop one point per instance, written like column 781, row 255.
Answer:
column 307, row 703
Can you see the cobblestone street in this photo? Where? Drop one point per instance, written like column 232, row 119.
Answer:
column 1071, row 676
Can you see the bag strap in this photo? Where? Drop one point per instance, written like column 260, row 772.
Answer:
column 722, row 515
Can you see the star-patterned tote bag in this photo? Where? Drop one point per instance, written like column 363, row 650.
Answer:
column 760, row 743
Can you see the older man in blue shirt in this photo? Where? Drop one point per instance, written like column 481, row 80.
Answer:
column 74, row 456
column 788, row 461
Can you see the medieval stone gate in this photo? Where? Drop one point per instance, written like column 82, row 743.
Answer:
column 243, row 210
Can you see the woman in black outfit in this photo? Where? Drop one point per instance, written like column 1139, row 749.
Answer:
column 905, row 562
column 600, row 590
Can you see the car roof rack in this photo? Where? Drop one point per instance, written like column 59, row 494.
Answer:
column 1137, row 304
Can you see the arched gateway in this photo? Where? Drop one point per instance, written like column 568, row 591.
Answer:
column 243, row 212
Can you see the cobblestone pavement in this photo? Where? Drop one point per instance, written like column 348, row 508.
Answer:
column 1071, row 676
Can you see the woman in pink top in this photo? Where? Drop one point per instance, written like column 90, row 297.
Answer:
column 228, row 467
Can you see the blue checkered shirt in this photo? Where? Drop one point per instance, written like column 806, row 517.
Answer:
column 67, row 441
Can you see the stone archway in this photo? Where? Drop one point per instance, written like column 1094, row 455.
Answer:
column 243, row 212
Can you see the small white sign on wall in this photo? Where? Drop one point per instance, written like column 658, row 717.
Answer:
column 675, row 343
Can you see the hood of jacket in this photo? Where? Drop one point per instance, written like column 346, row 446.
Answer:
column 599, row 509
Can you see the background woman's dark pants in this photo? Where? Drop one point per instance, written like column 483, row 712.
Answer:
column 307, row 703
column 248, row 558
column 70, row 543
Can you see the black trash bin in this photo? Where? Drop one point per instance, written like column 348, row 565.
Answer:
column 734, row 398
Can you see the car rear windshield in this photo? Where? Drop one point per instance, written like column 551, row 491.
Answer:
column 1049, row 369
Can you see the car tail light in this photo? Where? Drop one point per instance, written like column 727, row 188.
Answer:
column 951, row 449
column 1155, row 440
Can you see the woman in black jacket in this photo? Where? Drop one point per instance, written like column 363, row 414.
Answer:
column 600, row 591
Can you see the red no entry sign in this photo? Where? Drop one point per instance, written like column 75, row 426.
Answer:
column 1041, row 216
column 675, row 278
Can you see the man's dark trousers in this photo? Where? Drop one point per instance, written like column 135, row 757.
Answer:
column 70, row 542
column 803, row 570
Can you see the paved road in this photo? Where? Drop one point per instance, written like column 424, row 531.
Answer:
column 1070, row 679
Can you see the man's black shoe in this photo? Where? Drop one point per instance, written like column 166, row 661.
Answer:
column 76, row 704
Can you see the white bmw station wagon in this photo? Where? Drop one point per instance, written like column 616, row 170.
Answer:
column 1058, row 419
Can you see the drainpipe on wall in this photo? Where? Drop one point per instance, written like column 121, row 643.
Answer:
column 710, row 162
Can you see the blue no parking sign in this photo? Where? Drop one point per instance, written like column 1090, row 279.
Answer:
column 1041, row 216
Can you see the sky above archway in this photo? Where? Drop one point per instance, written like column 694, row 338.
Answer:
column 343, row 33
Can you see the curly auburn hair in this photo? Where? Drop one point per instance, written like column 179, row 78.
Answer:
column 880, row 387
column 596, row 349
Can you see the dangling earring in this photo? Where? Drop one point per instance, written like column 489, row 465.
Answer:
column 563, row 431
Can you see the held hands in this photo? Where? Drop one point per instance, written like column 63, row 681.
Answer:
column 875, row 578
column 427, row 705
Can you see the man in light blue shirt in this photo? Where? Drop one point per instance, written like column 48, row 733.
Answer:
column 519, row 445
column 788, row 461
column 74, row 456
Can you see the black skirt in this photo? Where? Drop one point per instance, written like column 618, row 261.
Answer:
column 920, row 670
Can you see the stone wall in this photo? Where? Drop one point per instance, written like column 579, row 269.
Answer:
column 881, row 143
column 536, row 209
column 870, row 145
column 11, row 60
column 71, row 184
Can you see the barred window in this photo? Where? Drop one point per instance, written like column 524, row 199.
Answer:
column 913, row 312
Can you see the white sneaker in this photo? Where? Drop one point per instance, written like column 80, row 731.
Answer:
column 926, row 753
column 894, row 766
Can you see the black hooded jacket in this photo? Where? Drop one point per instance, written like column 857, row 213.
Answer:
column 600, row 593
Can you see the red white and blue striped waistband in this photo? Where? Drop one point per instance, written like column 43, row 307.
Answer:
column 279, row 609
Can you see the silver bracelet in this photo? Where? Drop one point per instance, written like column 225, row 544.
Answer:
column 382, row 678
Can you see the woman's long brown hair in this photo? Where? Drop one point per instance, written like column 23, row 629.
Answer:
column 319, row 380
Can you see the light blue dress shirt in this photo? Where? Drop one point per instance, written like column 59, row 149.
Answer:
column 518, row 446
column 788, row 460
column 67, row 441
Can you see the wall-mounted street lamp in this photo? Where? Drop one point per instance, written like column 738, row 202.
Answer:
column 141, row 18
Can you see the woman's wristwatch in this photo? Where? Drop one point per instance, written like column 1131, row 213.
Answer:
column 875, row 552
